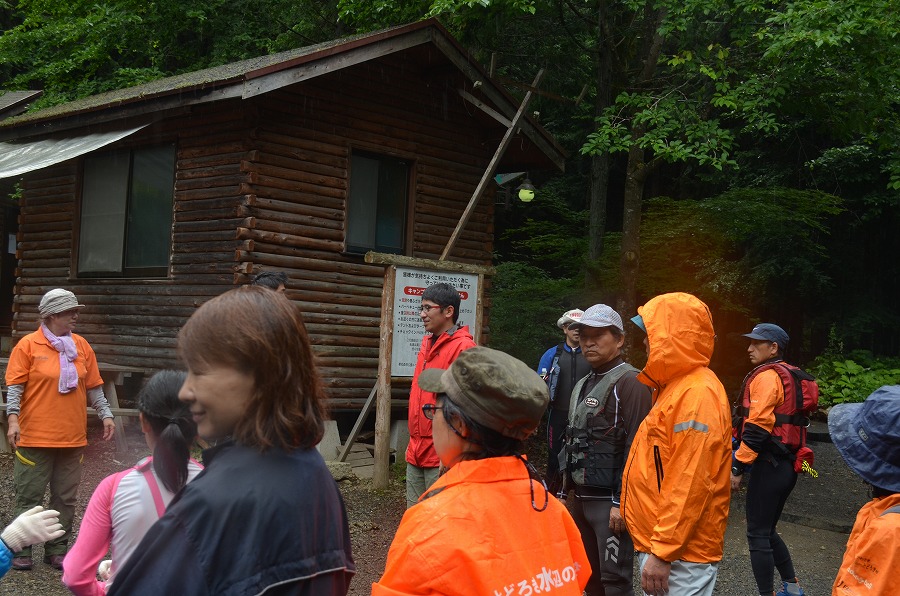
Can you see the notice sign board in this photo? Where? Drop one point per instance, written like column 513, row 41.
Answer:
column 409, row 284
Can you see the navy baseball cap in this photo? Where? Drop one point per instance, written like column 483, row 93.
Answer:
column 867, row 436
column 770, row 332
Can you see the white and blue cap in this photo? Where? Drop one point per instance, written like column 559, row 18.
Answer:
column 770, row 332
column 599, row 315
column 867, row 436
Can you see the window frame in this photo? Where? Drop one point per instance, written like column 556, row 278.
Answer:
column 125, row 272
column 381, row 153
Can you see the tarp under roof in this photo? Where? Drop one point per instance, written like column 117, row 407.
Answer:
column 19, row 158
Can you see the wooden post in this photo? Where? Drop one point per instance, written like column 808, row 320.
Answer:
column 489, row 172
column 381, row 475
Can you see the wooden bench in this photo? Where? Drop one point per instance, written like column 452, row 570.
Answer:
column 112, row 374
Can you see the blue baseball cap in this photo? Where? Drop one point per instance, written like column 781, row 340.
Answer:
column 770, row 332
column 867, row 436
column 639, row 321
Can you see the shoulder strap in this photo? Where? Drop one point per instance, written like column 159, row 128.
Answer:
column 114, row 486
column 786, row 372
column 602, row 389
column 557, row 355
column 147, row 471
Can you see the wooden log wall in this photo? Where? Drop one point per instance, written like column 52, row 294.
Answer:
column 135, row 321
column 301, row 153
column 261, row 184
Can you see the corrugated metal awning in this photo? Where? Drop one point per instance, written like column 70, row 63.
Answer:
column 20, row 157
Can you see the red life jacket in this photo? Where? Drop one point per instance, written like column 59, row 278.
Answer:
column 801, row 398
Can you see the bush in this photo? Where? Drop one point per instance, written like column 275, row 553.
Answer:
column 853, row 377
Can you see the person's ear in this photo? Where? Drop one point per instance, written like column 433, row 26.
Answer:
column 145, row 426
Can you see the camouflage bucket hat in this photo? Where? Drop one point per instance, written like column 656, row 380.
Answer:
column 494, row 389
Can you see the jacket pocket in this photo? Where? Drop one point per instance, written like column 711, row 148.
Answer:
column 657, row 460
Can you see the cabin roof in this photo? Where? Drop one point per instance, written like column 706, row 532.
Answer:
column 255, row 76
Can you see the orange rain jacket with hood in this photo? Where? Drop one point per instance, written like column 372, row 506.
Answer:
column 871, row 565
column 676, row 484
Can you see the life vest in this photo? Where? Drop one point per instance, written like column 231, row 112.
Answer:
column 595, row 451
column 801, row 398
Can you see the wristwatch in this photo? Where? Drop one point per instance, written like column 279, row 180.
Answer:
column 737, row 470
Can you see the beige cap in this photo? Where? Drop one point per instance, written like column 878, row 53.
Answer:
column 57, row 301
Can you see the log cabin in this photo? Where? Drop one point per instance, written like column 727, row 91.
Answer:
column 150, row 200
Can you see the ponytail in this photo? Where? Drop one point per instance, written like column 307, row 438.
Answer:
column 171, row 423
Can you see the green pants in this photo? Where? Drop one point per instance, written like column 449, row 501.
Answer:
column 60, row 467
column 418, row 480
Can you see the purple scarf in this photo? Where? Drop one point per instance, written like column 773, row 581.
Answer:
column 65, row 345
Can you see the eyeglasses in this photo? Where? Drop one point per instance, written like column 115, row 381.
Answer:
column 427, row 307
column 429, row 409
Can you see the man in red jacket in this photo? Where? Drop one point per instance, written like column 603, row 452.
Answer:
column 443, row 342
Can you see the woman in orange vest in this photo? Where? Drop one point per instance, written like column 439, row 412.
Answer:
column 488, row 525
column 867, row 435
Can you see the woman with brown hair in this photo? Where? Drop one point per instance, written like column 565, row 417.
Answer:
column 265, row 515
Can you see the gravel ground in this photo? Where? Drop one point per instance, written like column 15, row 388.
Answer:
column 817, row 518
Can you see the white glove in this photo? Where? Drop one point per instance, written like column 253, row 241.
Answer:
column 103, row 569
column 34, row 526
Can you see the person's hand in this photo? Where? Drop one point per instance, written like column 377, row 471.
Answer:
column 103, row 569
column 109, row 428
column 12, row 431
column 616, row 523
column 736, row 482
column 655, row 576
column 32, row 527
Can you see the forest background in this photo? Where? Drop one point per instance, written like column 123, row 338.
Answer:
column 746, row 151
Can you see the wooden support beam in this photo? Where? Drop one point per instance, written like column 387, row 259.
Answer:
column 360, row 420
column 381, row 477
column 489, row 172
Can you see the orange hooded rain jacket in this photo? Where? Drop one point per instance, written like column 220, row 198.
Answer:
column 676, row 484
column 871, row 564
column 475, row 532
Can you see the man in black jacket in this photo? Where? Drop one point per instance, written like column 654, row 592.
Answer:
column 561, row 366
column 607, row 407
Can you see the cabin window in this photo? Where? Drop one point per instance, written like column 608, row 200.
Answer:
column 126, row 213
column 377, row 203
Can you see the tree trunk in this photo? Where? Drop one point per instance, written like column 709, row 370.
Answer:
column 635, row 177
column 629, row 259
column 600, row 163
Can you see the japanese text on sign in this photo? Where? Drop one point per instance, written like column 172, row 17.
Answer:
column 409, row 285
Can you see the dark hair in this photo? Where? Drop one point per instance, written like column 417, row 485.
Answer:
column 444, row 295
column 270, row 279
column 490, row 442
column 264, row 337
column 170, row 420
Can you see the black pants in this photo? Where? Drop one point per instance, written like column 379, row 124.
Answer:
column 771, row 482
column 556, row 427
column 611, row 556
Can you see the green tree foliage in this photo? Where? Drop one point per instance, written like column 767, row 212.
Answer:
column 82, row 47
column 762, row 248
column 525, row 305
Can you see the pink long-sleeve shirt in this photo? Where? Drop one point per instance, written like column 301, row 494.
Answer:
column 120, row 512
